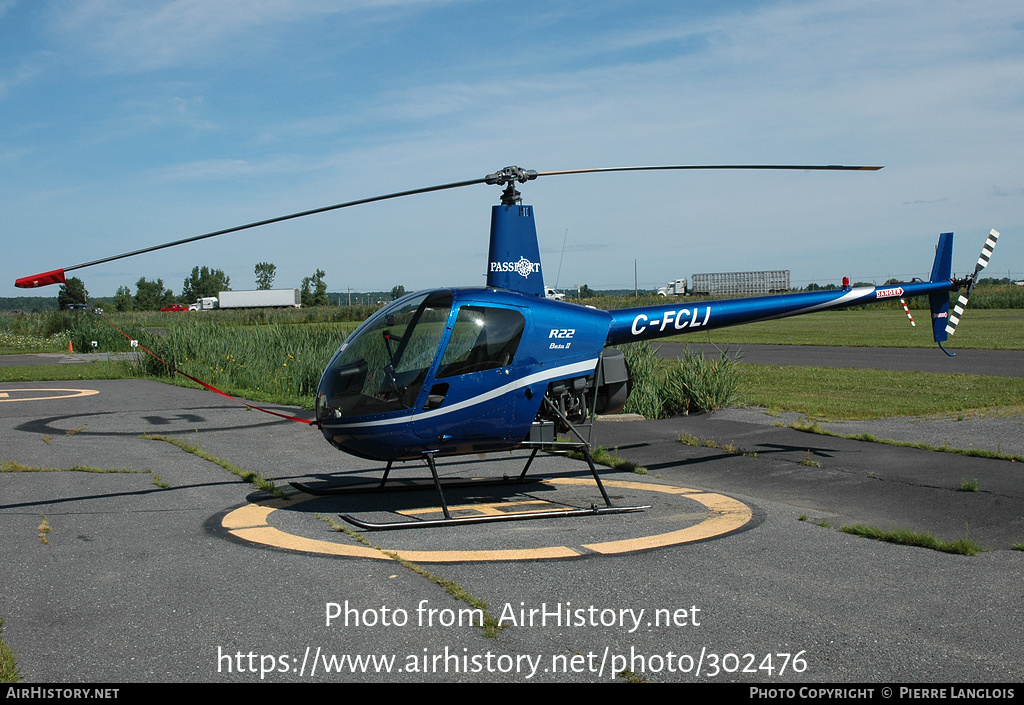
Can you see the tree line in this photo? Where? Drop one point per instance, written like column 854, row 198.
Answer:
column 203, row 282
column 153, row 295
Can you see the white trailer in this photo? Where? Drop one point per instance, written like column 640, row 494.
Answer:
column 261, row 298
column 256, row 298
column 741, row 283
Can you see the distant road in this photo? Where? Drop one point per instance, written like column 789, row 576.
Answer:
column 58, row 359
column 997, row 363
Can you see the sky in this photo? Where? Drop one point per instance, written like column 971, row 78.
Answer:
column 125, row 124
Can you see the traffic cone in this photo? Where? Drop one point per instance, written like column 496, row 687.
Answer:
column 70, row 348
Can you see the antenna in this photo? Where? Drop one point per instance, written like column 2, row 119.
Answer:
column 559, row 274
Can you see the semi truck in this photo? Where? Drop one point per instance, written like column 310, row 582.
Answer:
column 257, row 298
column 674, row 288
column 206, row 303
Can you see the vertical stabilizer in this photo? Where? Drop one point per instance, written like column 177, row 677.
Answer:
column 513, row 261
column 941, row 271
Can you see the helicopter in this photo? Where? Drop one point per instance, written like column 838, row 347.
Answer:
column 455, row 371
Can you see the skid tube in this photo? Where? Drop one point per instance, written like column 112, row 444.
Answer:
column 409, row 486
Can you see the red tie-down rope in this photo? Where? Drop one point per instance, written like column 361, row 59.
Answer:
column 201, row 382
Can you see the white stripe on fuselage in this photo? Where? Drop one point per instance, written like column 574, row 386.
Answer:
column 547, row 375
column 845, row 298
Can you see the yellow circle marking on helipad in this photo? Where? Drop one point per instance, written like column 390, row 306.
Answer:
column 725, row 514
column 51, row 393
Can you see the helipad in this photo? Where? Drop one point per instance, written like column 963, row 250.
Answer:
column 690, row 515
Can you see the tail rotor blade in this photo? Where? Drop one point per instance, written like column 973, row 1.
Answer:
column 961, row 301
column 958, row 311
column 986, row 253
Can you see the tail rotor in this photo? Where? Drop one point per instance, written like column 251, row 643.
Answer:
column 961, row 302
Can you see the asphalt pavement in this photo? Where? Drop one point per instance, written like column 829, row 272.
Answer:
column 68, row 358
column 173, row 569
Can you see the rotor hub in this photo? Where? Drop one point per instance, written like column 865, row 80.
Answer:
column 508, row 177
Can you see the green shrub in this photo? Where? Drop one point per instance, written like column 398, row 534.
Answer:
column 646, row 396
column 693, row 383
column 697, row 383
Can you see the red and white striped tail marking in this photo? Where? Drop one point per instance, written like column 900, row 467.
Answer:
column 961, row 301
column 907, row 310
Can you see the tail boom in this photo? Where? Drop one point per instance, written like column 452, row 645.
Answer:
column 652, row 322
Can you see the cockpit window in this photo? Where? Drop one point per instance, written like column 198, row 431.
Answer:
column 484, row 338
column 382, row 366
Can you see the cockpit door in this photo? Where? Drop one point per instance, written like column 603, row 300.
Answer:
column 470, row 395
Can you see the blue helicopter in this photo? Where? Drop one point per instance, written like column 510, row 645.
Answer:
column 453, row 371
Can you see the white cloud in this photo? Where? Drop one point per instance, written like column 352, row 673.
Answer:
column 226, row 169
column 22, row 74
column 933, row 90
column 132, row 37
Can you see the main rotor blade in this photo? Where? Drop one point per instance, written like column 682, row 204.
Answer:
column 502, row 177
column 279, row 219
column 786, row 167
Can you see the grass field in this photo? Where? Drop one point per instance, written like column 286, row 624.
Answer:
column 59, row 373
column 278, row 357
column 990, row 329
column 838, row 393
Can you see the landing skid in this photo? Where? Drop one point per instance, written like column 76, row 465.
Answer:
column 449, row 520
column 410, row 485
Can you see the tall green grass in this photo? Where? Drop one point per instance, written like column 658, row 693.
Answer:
column 52, row 331
column 692, row 383
column 270, row 362
column 32, row 333
column 8, row 661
